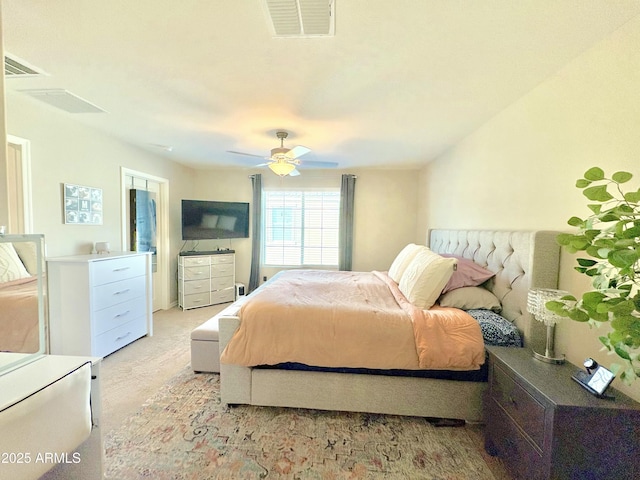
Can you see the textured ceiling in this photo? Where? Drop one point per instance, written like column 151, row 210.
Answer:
column 398, row 84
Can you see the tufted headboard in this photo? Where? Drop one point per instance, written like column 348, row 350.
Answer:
column 520, row 259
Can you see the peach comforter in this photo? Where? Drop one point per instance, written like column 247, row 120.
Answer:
column 350, row 319
column 19, row 316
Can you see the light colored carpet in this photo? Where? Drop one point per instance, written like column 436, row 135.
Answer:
column 161, row 421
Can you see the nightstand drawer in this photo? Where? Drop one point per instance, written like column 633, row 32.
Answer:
column 527, row 413
column 512, row 444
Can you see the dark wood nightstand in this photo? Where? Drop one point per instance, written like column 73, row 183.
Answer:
column 546, row 426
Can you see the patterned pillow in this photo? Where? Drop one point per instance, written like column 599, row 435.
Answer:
column 11, row 268
column 496, row 329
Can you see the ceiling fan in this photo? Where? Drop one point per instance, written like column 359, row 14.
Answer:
column 283, row 161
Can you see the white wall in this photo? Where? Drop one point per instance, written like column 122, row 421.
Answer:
column 384, row 219
column 518, row 171
column 66, row 151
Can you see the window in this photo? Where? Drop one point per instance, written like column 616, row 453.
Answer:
column 301, row 228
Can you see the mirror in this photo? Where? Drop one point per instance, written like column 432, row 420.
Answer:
column 22, row 300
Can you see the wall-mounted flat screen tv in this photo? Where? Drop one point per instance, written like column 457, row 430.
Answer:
column 209, row 220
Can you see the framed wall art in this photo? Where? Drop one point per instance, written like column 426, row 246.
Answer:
column 82, row 205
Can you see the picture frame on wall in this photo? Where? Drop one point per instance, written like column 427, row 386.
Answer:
column 82, row 205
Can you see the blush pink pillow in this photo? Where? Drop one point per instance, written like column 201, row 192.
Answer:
column 468, row 274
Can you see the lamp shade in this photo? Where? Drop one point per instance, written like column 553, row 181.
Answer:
column 281, row 168
column 537, row 304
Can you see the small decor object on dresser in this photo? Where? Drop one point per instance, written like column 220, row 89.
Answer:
column 544, row 426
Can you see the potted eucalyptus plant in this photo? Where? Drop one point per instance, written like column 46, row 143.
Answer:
column 610, row 240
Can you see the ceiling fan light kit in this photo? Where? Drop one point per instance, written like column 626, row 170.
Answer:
column 283, row 161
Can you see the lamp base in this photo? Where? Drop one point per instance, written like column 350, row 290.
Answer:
column 548, row 359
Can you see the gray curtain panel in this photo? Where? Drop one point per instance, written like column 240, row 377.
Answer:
column 256, row 232
column 347, row 193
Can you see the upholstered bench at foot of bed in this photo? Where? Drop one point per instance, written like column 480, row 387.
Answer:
column 205, row 343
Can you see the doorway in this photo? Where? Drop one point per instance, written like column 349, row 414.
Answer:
column 20, row 219
column 132, row 179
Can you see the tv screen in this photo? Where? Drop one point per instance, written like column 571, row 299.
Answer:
column 209, row 220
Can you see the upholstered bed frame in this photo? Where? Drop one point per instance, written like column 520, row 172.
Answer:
column 521, row 260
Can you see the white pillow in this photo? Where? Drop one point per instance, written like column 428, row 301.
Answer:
column 227, row 223
column 402, row 261
column 209, row 221
column 425, row 277
column 11, row 268
column 28, row 255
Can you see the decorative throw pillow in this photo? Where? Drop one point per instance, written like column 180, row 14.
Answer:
column 468, row 298
column 497, row 330
column 11, row 268
column 425, row 277
column 468, row 274
column 28, row 255
column 402, row 261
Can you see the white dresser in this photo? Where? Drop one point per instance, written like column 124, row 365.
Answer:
column 99, row 303
column 206, row 278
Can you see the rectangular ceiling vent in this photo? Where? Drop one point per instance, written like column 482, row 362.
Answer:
column 63, row 99
column 301, row 18
column 15, row 67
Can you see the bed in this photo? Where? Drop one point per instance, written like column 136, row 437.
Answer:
column 19, row 298
column 518, row 261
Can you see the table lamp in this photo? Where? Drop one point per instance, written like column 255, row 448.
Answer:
column 536, row 305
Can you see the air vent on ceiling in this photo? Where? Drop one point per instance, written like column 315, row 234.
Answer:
column 301, row 18
column 63, row 99
column 16, row 67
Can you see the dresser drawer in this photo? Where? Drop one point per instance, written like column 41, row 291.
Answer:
column 116, row 269
column 195, row 273
column 223, row 296
column 195, row 261
column 525, row 410
column 196, row 300
column 118, row 337
column 118, row 292
column 196, row 286
column 220, row 283
column 221, row 259
column 111, row 317
column 222, row 270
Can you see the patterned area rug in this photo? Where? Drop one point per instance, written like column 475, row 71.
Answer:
column 183, row 432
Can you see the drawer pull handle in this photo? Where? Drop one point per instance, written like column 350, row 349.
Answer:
column 122, row 314
column 121, row 292
column 122, row 337
column 121, row 269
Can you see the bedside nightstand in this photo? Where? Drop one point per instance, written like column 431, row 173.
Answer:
column 546, row 426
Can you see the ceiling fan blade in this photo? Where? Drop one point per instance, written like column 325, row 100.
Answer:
column 294, row 173
column 298, row 151
column 247, row 154
column 263, row 164
column 316, row 164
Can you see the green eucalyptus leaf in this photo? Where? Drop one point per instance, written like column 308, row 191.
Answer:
column 582, row 182
column 597, row 193
column 594, row 174
column 605, row 341
column 592, row 234
column 632, row 197
column 622, row 258
column 564, row 239
column 578, row 315
column 621, row 177
column 586, row 262
column 575, row 221
column 621, row 352
column 595, row 208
